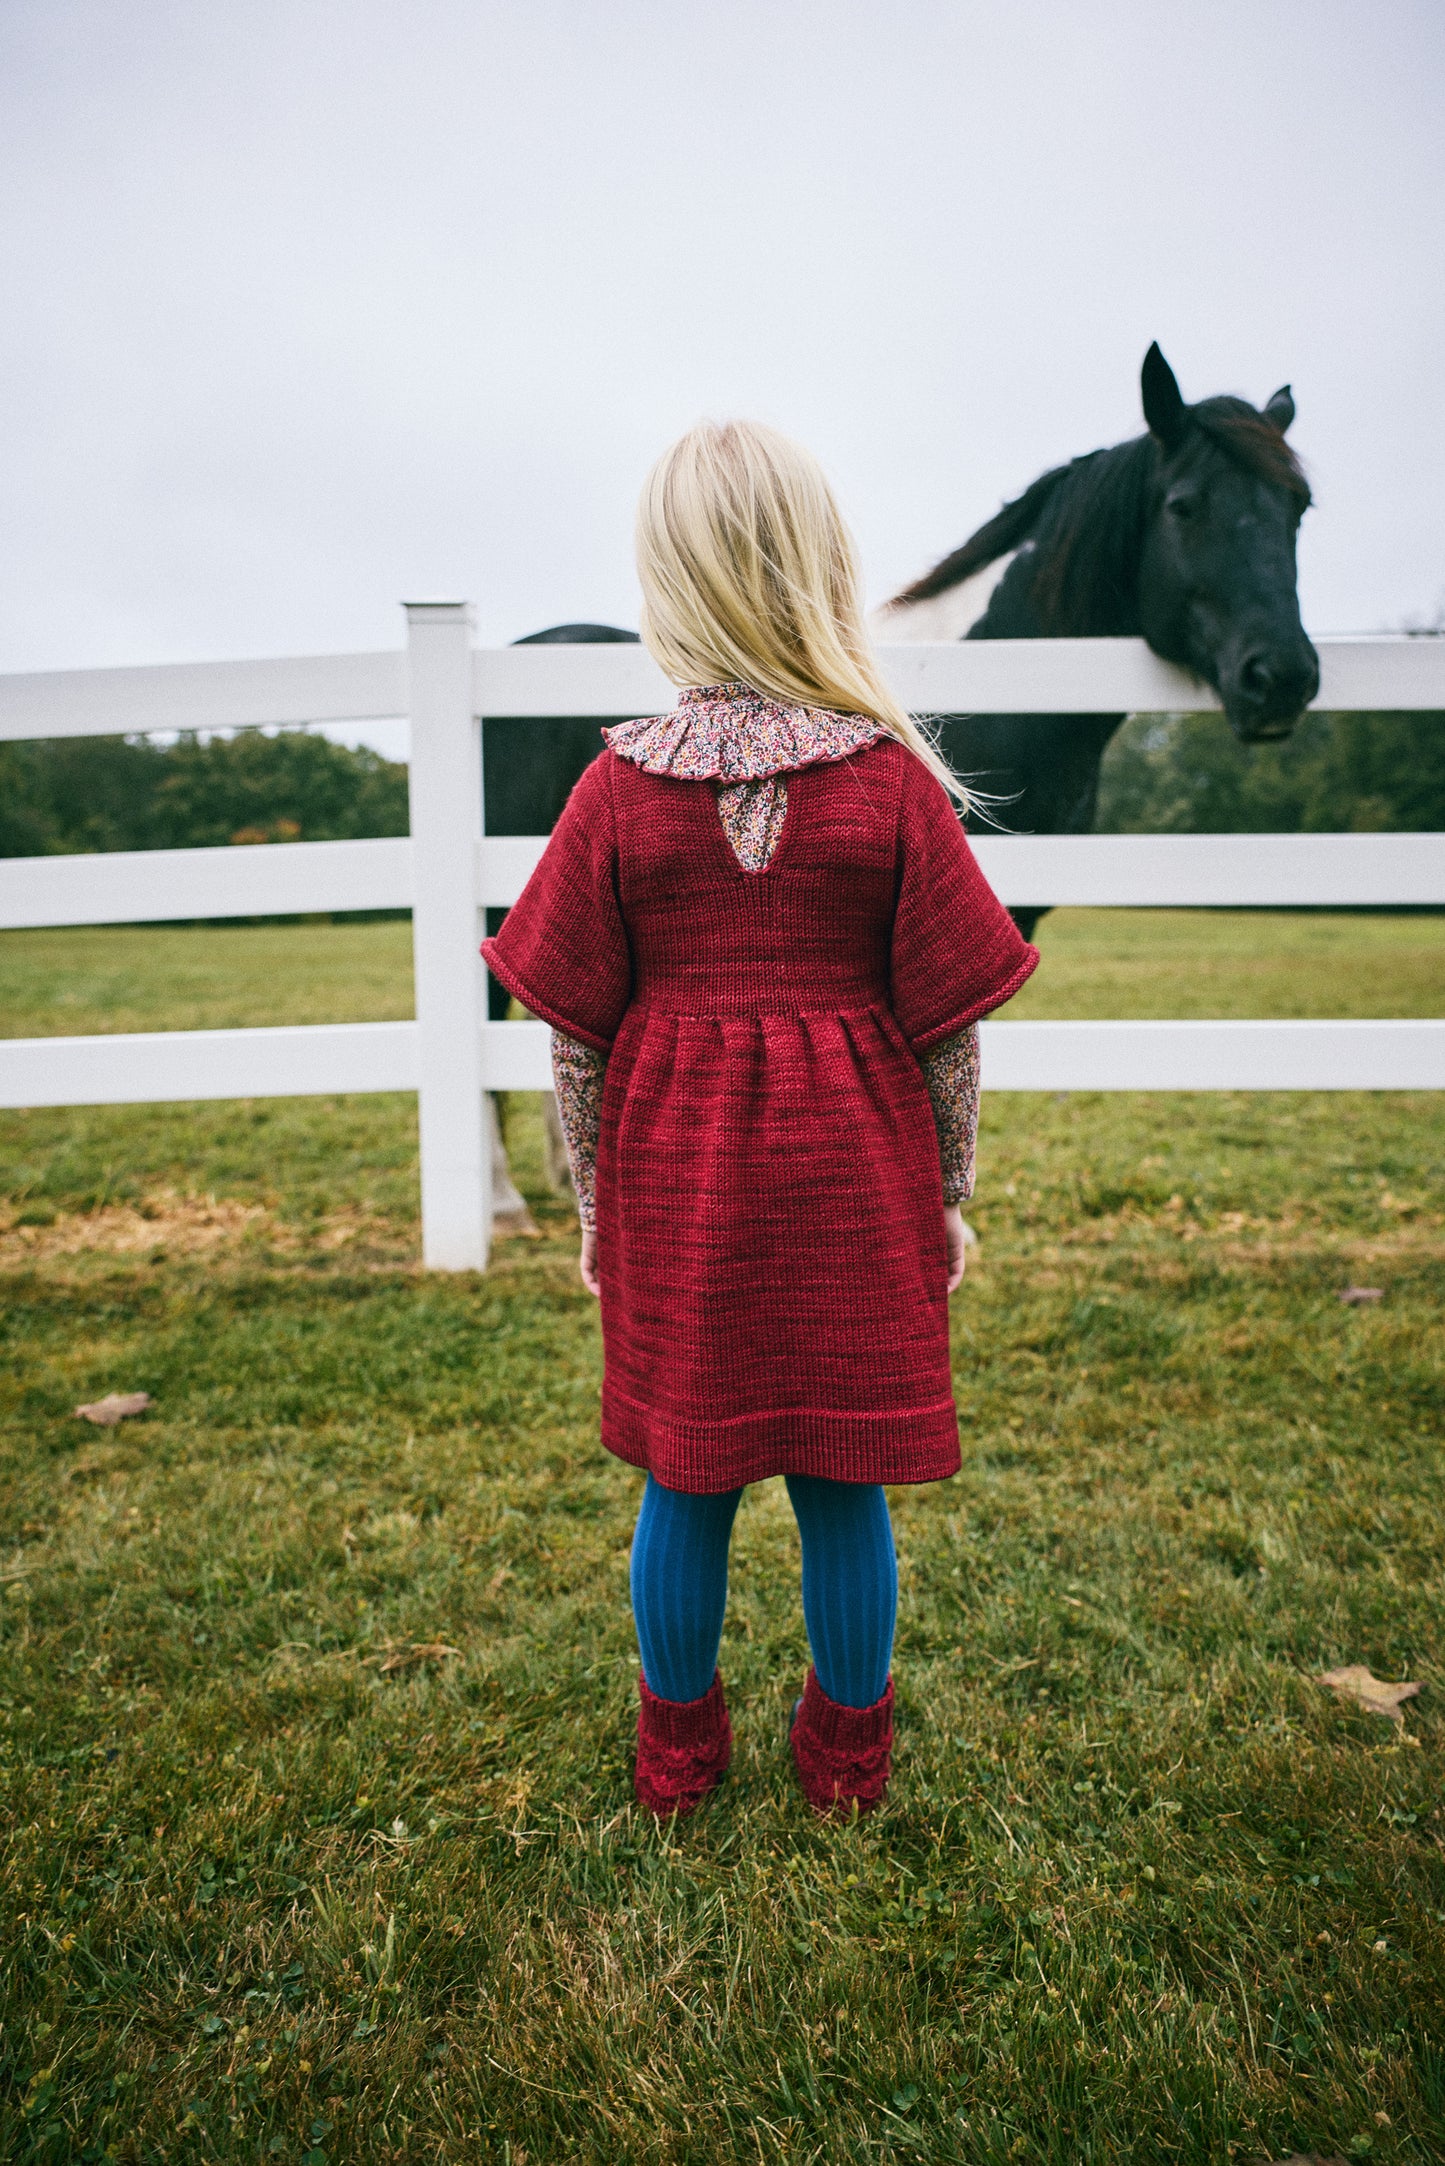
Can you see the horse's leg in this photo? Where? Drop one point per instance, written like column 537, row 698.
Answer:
column 559, row 1172
column 509, row 1206
column 554, row 1146
column 1034, row 774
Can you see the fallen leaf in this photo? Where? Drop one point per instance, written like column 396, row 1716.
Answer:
column 114, row 1407
column 410, row 1655
column 1374, row 1694
column 1354, row 1295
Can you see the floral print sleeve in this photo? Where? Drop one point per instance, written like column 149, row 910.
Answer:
column 951, row 1071
column 578, row 1072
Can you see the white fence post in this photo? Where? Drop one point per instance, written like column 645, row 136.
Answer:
column 446, row 819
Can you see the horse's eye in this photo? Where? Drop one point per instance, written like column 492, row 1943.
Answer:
column 1181, row 504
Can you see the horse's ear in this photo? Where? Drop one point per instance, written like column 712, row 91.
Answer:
column 1164, row 408
column 1280, row 409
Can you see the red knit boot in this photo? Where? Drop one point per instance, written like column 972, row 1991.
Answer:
column 843, row 1754
column 683, row 1748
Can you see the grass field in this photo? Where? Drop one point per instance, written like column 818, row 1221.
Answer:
column 316, row 1681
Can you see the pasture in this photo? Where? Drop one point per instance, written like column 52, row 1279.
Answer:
column 317, row 1681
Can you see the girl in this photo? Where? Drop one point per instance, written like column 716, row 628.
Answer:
column 762, row 943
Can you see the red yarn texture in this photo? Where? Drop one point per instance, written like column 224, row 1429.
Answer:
column 842, row 1754
column 769, row 1200
column 683, row 1749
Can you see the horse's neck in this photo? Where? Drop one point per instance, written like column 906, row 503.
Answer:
column 1018, row 610
column 947, row 616
column 1012, row 598
column 1013, row 611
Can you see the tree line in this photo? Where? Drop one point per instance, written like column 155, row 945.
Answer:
column 128, row 793
column 1336, row 773
column 1183, row 774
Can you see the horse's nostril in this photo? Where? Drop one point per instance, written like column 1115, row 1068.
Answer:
column 1268, row 689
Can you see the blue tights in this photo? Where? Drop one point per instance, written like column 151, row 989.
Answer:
column 850, row 1585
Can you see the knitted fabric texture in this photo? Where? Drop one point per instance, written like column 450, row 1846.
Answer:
column 951, row 1075
column 769, row 1201
column 683, row 1749
column 844, row 1755
column 736, row 733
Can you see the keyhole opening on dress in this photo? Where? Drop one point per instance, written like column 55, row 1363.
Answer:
column 752, row 816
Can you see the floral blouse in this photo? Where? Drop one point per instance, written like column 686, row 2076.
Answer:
column 746, row 744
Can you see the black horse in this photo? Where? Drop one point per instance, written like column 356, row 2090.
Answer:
column 1185, row 537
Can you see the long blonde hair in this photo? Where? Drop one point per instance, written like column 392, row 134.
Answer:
column 750, row 575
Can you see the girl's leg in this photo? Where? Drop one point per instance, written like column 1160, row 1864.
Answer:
column 850, row 1585
column 680, row 1587
column 842, row 1733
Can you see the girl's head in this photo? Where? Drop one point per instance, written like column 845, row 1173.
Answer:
column 749, row 575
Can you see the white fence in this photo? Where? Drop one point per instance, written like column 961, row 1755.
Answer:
column 447, row 873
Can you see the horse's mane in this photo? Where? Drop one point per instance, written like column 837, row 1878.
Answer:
column 1085, row 520
column 1251, row 439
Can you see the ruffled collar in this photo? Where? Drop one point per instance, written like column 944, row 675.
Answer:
column 730, row 733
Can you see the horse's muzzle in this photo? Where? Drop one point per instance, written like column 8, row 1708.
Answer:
column 1268, row 688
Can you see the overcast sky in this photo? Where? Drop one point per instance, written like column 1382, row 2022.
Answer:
column 314, row 305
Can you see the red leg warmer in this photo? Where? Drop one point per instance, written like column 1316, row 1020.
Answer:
column 842, row 1753
column 683, row 1748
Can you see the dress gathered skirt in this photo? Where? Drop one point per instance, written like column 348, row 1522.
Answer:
column 769, row 1201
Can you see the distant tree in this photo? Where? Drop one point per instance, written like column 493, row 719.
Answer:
column 115, row 793
column 77, row 793
column 289, row 787
column 1188, row 774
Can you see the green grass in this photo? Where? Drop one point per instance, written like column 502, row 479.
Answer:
column 1235, row 963
column 73, row 980
column 1099, row 962
column 277, row 1882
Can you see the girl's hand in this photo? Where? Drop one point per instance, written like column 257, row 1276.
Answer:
column 953, row 1234
column 589, row 1261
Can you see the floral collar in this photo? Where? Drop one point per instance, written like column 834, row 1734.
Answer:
column 730, row 733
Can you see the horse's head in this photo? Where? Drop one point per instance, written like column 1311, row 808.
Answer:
column 1217, row 576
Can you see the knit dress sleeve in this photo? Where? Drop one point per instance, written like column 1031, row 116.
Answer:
column 563, row 949
column 956, row 951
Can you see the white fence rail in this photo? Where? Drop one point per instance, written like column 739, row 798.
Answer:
column 1073, row 676
column 1106, row 871
column 447, row 872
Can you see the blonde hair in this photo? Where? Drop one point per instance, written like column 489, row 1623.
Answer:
column 750, row 575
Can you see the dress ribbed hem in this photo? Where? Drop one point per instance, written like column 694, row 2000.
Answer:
column 912, row 1444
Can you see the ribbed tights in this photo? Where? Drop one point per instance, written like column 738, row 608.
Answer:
column 850, row 1585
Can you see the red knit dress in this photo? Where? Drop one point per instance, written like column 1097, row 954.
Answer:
column 769, row 1201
